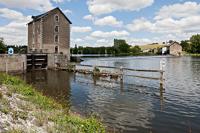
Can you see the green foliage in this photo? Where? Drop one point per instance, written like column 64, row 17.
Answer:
column 18, row 49
column 75, row 50
column 195, row 42
column 186, row 46
column 2, row 47
column 135, row 50
column 15, row 131
column 1, row 95
column 6, row 106
column 121, row 46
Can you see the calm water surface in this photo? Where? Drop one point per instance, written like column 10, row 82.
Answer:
column 137, row 106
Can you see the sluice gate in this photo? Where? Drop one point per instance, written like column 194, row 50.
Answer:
column 37, row 61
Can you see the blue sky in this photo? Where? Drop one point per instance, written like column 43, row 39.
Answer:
column 98, row 22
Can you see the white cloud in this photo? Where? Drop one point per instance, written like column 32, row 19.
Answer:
column 139, row 41
column 41, row 5
column 101, row 34
column 81, row 29
column 139, row 24
column 15, row 31
column 13, row 15
column 89, row 17
column 171, row 20
column 98, row 7
column 103, row 42
column 179, row 10
column 67, row 11
column 77, row 40
column 58, row 1
column 109, row 21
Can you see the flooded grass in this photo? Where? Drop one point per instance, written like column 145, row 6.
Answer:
column 47, row 112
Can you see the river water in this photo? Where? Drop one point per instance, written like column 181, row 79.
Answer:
column 136, row 106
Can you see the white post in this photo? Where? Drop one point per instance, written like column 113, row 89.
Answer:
column 162, row 66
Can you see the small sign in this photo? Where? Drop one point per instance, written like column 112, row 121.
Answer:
column 10, row 51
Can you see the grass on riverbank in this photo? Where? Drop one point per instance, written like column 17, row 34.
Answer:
column 190, row 54
column 44, row 109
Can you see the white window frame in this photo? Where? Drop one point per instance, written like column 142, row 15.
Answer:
column 55, row 18
column 55, row 48
column 55, row 29
column 55, row 38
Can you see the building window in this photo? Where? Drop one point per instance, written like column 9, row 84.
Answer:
column 56, row 29
column 56, row 39
column 56, row 49
column 56, row 18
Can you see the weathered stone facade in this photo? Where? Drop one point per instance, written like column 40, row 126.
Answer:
column 13, row 64
column 49, row 33
column 175, row 49
column 57, row 60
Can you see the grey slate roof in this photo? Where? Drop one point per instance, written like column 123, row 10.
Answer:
column 38, row 17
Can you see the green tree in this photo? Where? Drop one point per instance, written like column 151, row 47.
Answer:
column 186, row 46
column 195, row 43
column 135, row 50
column 75, row 50
column 2, row 47
column 121, row 46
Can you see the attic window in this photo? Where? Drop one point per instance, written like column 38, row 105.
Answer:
column 56, row 18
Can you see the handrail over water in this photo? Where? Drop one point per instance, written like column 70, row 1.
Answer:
column 121, row 73
column 129, row 69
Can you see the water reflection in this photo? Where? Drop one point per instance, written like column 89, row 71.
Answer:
column 136, row 106
column 54, row 84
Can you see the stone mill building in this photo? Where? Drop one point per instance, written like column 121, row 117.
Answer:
column 49, row 33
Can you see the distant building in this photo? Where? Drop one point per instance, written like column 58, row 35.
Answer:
column 174, row 48
column 49, row 33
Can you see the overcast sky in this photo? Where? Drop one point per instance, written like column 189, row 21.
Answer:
column 98, row 22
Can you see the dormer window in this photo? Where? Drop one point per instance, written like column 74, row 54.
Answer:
column 56, row 18
column 56, row 29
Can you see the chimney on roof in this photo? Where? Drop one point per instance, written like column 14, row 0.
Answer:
column 33, row 17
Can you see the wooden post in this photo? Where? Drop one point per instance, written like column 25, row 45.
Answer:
column 23, row 67
column 161, row 80
column 121, row 78
column 121, row 74
column 94, row 70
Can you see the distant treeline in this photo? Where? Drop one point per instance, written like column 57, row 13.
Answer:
column 17, row 49
column 120, row 48
column 192, row 45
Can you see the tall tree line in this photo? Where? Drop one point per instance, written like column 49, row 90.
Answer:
column 192, row 45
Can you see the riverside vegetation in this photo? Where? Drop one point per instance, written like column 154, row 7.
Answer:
column 23, row 109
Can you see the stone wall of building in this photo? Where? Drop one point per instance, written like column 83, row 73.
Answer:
column 13, row 64
column 57, row 60
column 175, row 49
